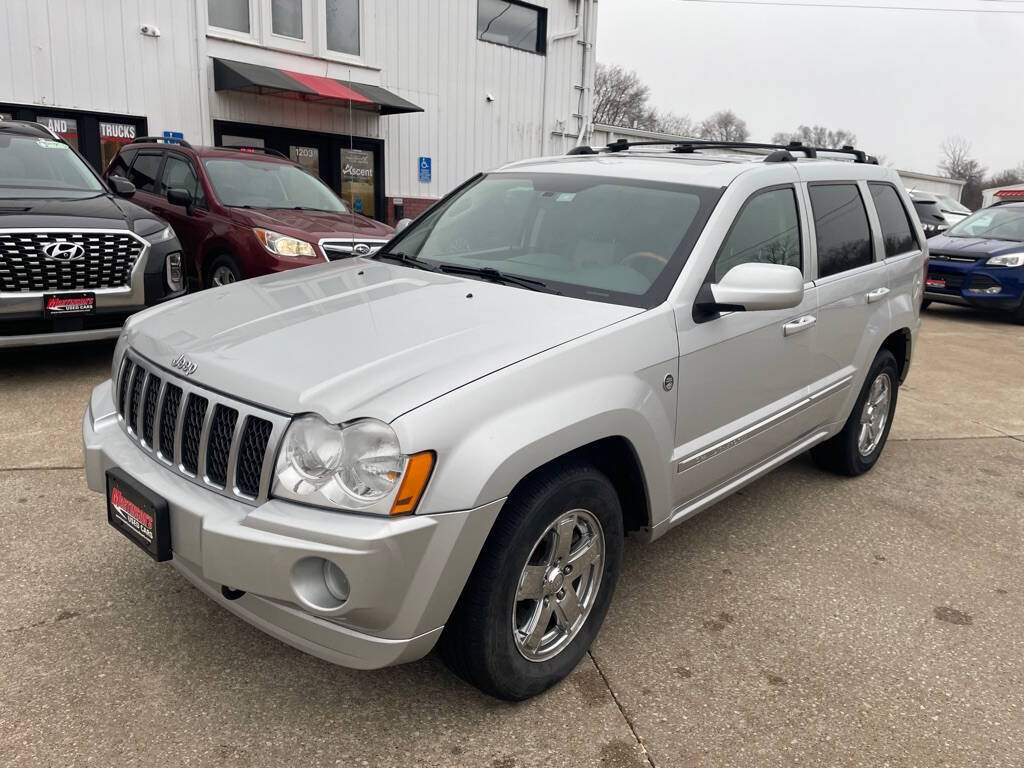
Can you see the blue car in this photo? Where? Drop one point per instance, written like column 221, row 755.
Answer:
column 980, row 262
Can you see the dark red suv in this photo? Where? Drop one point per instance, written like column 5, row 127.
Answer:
column 243, row 211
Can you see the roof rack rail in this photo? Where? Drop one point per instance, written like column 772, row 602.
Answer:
column 160, row 140
column 254, row 148
column 783, row 152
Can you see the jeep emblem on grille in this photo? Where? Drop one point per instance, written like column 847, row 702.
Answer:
column 184, row 365
column 361, row 249
column 63, row 250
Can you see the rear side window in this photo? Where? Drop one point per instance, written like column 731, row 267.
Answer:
column 896, row 230
column 144, row 171
column 179, row 174
column 841, row 228
column 766, row 232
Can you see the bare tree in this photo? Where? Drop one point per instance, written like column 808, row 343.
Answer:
column 677, row 125
column 620, row 97
column 818, row 136
column 957, row 163
column 724, row 125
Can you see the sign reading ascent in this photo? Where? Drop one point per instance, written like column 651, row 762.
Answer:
column 357, row 180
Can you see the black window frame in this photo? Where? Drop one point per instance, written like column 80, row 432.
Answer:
column 168, row 154
column 158, row 176
column 709, row 278
column 542, row 29
column 814, row 221
column 906, row 215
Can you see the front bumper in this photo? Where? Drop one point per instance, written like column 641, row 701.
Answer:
column 405, row 573
column 968, row 284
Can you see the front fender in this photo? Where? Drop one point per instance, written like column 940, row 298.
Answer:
column 491, row 433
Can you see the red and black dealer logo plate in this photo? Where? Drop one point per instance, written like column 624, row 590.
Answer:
column 60, row 304
column 139, row 514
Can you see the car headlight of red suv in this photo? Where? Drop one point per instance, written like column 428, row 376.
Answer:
column 283, row 245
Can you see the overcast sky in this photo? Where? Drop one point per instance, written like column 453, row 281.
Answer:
column 902, row 81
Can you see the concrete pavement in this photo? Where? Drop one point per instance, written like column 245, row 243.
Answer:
column 808, row 620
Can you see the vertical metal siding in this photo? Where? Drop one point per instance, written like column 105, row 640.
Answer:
column 90, row 55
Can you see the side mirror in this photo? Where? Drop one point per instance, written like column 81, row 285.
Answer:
column 402, row 224
column 752, row 287
column 121, row 186
column 179, row 196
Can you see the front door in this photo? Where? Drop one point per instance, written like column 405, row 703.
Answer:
column 743, row 376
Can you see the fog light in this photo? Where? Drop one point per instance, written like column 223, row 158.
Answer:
column 336, row 581
column 175, row 276
column 991, row 290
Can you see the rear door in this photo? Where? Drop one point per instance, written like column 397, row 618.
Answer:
column 853, row 289
column 903, row 247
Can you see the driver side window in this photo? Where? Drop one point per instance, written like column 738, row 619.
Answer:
column 766, row 231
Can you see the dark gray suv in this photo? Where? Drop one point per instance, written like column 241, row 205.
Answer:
column 76, row 258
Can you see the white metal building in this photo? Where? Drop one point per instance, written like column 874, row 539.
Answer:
column 388, row 100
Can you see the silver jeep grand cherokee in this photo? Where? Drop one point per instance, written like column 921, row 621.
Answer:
column 446, row 443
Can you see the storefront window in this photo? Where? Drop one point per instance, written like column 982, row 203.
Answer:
column 307, row 157
column 229, row 14
column 357, row 180
column 65, row 127
column 113, row 136
column 343, row 26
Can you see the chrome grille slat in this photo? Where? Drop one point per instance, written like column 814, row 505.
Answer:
column 107, row 262
column 225, row 458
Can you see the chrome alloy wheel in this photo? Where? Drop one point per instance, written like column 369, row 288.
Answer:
column 875, row 414
column 559, row 585
column 223, row 276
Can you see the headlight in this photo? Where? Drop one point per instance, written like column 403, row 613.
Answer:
column 153, row 231
column 1006, row 260
column 282, row 245
column 358, row 466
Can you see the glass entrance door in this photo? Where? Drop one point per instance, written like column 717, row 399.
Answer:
column 307, row 157
column 358, row 181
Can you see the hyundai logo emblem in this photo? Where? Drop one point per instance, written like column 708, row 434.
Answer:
column 63, row 250
column 361, row 249
column 184, row 365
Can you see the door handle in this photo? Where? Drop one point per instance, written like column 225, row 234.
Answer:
column 877, row 295
column 800, row 324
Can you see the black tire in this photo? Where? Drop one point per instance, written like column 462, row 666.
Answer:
column 1018, row 314
column 477, row 643
column 223, row 262
column 925, row 304
column 840, row 454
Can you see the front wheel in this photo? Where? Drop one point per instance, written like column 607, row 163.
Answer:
column 223, row 271
column 925, row 304
column 541, row 586
column 857, row 447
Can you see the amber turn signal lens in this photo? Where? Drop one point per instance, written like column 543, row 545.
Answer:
column 417, row 473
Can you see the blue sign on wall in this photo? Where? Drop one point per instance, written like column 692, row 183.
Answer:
column 173, row 137
column 425, row 170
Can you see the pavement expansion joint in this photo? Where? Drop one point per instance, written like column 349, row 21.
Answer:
column 629, row 723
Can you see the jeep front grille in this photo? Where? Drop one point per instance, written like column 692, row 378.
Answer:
column 222, row 444
column 105, row 259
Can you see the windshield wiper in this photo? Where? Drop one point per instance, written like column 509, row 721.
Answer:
column 405, row 259
column 496, row 276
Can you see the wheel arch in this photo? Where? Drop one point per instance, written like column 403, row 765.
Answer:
column 899, row 343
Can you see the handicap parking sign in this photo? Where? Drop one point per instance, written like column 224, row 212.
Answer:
column 425, row 170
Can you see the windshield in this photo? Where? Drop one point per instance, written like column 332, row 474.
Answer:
column 612, row 240
column 32, row 166
column 254, row 184
column 995, row 223
column 951, row 205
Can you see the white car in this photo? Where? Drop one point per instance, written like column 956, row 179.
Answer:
column 445, row 443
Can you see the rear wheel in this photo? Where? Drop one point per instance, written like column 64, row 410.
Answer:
column 223, row 271
column 1018, row 314
column 857, row 447
column 541, row 586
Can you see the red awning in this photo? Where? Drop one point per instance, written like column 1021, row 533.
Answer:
column 1010, row 193
column 252, row 78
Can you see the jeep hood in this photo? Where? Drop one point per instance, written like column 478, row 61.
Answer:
column 358, row 338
